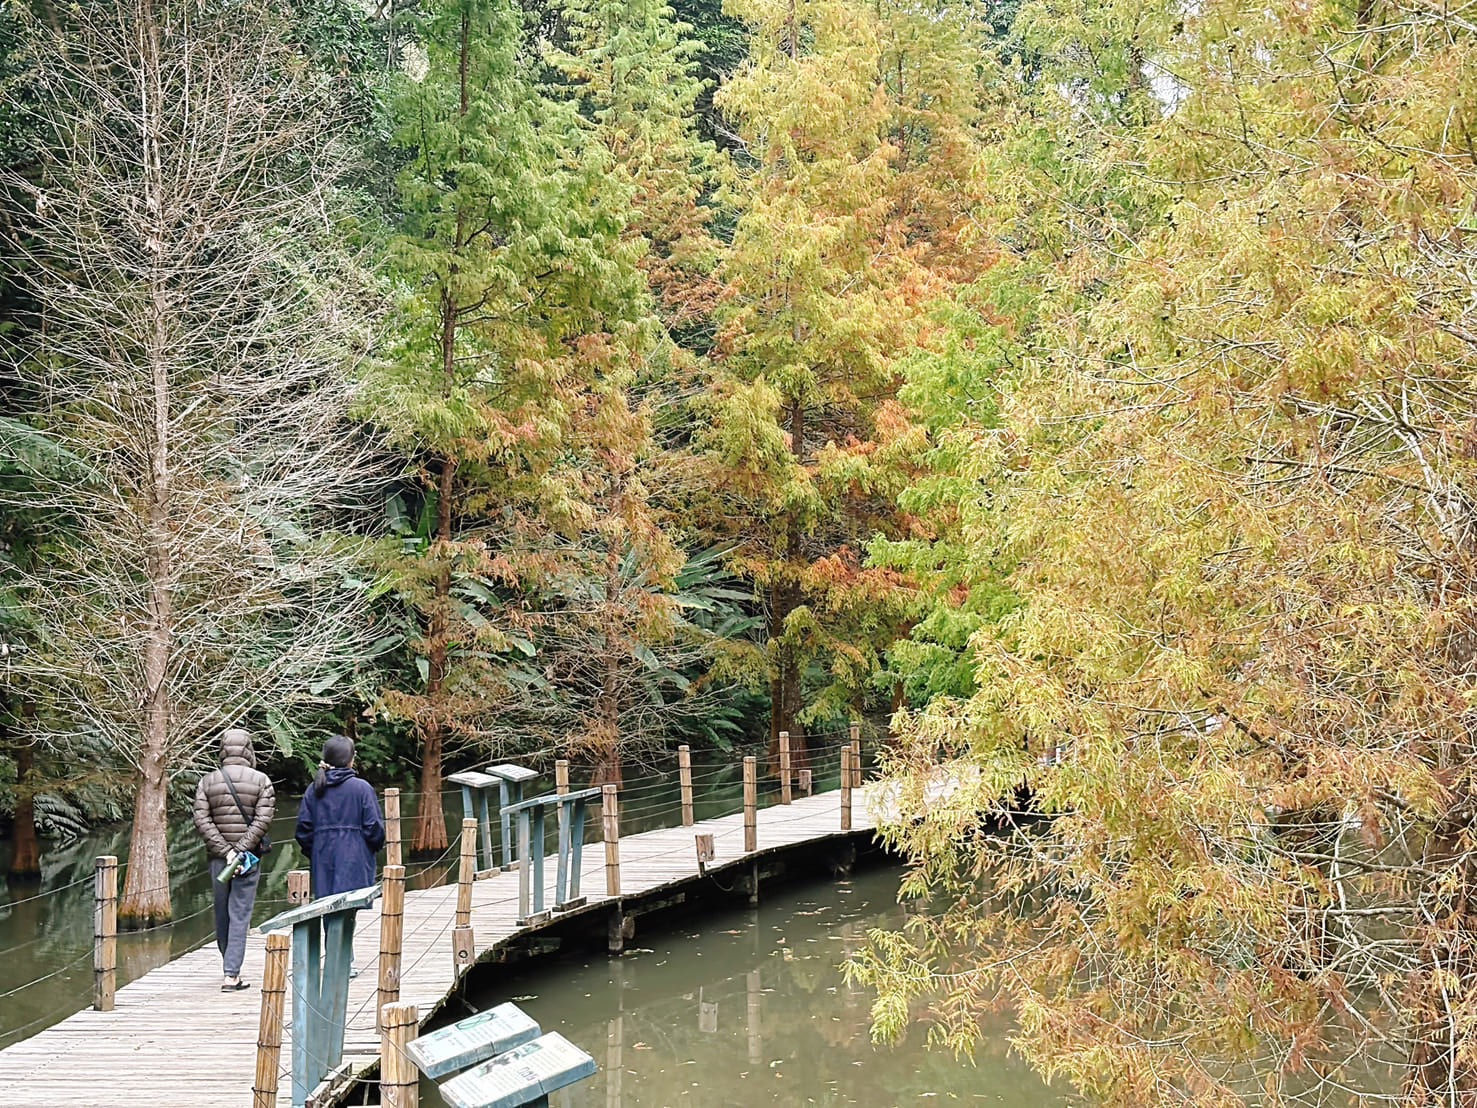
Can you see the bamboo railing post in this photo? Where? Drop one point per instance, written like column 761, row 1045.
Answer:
column 856, row 756
column 269, row 1030
column 299, row 887
column 751, row 806
column 104, row 932
column 684, row 776
column 399, row 1078
column 392, row 934
column 463, row 952
column 785, row 794
column 392, row 829
column 561, row 776
column 611, row 826
column 846, row 788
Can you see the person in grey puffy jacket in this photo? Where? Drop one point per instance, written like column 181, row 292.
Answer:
column 229, row 829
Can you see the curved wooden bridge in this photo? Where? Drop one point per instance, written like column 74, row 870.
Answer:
column 173, row 1038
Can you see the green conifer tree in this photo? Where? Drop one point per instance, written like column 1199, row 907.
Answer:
column 509, row 257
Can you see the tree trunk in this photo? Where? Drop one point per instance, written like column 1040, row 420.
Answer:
column 430, row 826
column 785, row 694
column 146, row 899
column 786, row 699
column 1441, row 1069
column 608, row 709
column 146, row 891
column 607, row 769
column 430, row 820
column 25, row 856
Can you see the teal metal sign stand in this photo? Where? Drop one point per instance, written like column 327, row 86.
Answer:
column 475, row 789
column 511, row 780
column 531, row 815
column 322, row 947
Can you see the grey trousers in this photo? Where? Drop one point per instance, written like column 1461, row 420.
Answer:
column 233, row 903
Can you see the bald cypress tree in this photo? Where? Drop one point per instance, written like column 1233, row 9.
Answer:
column 511, row 260
column 852, row 189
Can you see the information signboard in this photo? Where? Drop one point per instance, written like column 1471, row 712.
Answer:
column 523, row 1074
column 472, row 1040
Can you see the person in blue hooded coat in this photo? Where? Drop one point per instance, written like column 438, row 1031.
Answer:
column 339, row 825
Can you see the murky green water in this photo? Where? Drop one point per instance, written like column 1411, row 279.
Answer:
column 749, row 1007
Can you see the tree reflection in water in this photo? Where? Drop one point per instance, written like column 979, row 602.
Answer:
column 750, row 1007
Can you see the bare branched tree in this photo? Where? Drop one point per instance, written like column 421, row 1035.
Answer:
column 197, row 322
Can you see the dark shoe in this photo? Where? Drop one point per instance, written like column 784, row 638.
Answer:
column 236, row 988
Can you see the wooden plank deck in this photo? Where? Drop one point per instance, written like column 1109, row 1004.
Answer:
column 175, row 1039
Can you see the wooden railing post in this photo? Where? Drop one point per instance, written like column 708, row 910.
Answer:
column 299, row 887
column 392, row 933
column 392, row 828
column 751, row 805
column 611, row 827
column 269, row 1030
column 785, row 793
column 856, row 756
column 846, row 788
column 561, row 776
column 684, row 777
column 399, row 1077
column 104, row 932
column 463, row 951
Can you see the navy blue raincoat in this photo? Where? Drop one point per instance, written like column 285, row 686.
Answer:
column 340, row 831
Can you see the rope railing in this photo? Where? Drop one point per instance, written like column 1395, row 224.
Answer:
column 428, row 923
column 710, row 790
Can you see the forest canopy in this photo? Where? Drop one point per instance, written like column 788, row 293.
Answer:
column 1080, row 393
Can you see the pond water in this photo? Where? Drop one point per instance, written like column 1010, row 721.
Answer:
column 749, row 1006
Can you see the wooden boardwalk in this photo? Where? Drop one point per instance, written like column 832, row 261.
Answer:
column 175, row 1039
